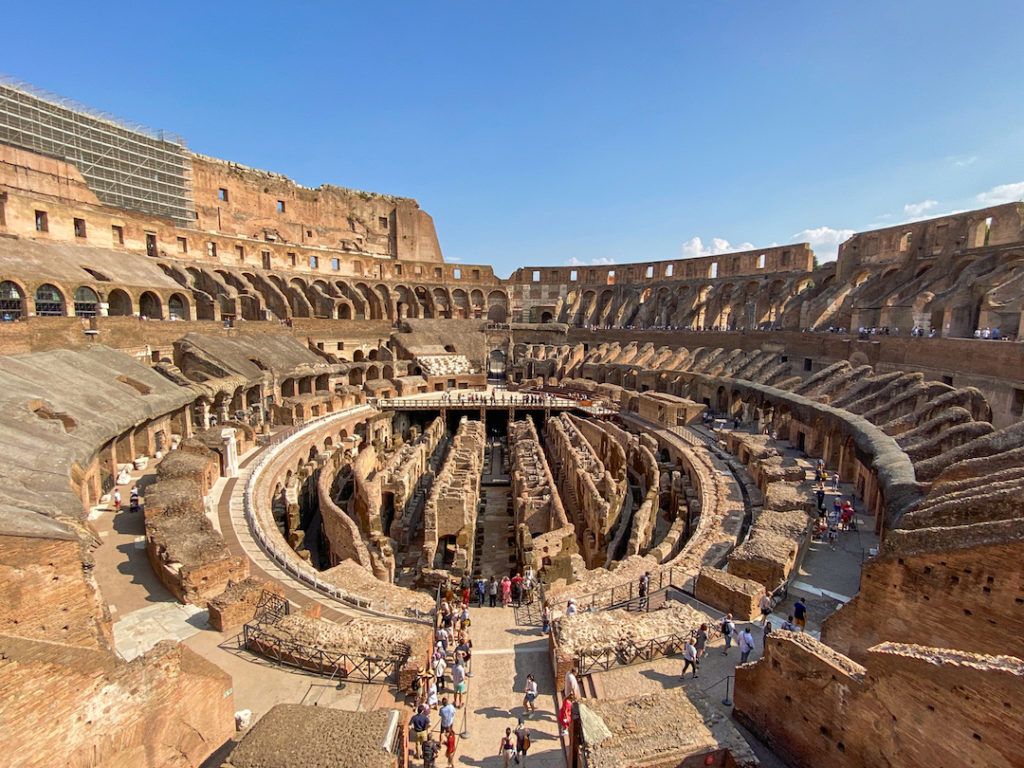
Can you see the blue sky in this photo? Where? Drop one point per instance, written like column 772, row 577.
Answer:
column 551, row 133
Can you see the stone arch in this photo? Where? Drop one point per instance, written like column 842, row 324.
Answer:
column 12, row 301
column 119, row 303
column 49, row 301
column 87, row 303
column 178, row 307
column 497, row 307
column 150, row 306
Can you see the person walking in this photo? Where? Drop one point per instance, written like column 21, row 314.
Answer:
column 689, row 658
column 800, row 614
column 493, row 592
column 507, row 748
column 133, row 499
column 449, row 747
column 420, row 723
column 701, row 641
column 431, row 749
column 517, row 589
column 728, row 632
column 530, row 692
column 571, row 689
column 506, row 591
column 820, row 496
column 459, row 682
column 117, row 499
column 546, row 618
column 766, row 606
column 481, row 591
column 746, row 644
column 565, row 716
column 643, row 588
column 522, row 742
column 447, row 714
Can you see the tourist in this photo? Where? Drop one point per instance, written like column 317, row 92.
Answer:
column 565, row 716
column 506, row 591
column 507, row 748
column 117, row 499
column 465, row 590
column 545, row 618
column 728, row 630
column 529, row 585
column 133, row 499
column 449, row 747
column 833, row 537
column 746, row 644
column 431, row 749
column 531, row 694
column 819, row 494
column 835, row 482
column 689, row 658
column 522, row 742
column 571, row 689
column 643, row 587
column 432, row 693
column 439, row 669
column 765, row 605
column 447, row 714
column 493, row 591
column 701, row 641
column 788, row 624
column 764, row 635
column 570, row 608
column 800, row 614
column 481, row 591
column 420, row 723
column 464, row 650
column 459, row 682
column 517, row 589
column 464, row 621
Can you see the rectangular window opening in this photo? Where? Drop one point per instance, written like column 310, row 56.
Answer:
column 280, row 207
column 151, row 244
column 240, row 252
column 713, row 270
column 457, row 273
column 335, row 264
column 573, row 275
column 211, row 249
column 438, row 273
column 650, row 272
column 669, row 269
column 536, row 276
column 1017, row 409
column 292, row 260
column 42, row 222
column 314, row 262
column 761, row 260
column 383, row 221
column 182, row 245
column 79, row 227
column 117, row 234
column 808, row 363
column 222, row 195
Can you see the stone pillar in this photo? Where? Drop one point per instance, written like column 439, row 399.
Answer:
column 230, row 452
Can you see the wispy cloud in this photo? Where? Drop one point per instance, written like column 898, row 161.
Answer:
column 917, row 209
column 695, row 247
column 1004, row 193
column 596, row 261
column 962, row 161
column 824, row 240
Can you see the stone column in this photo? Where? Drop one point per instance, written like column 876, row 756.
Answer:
column 230, row 452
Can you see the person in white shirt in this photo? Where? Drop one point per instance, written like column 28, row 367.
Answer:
column 746, row 644
column 529, row 700
column 689, row 658
column 571, row 689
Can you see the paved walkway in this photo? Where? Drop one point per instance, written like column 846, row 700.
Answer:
column 503, row 655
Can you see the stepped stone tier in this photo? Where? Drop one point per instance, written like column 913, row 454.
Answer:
column 250, row 432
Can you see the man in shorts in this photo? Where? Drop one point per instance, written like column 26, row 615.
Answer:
column 800, row 614
column 420, row 723
column 459, row 681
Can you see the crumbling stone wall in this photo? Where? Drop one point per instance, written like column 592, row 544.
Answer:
column 451, row 507
column 729, row 593
column 237, row 604
column 167, row 708
column 908, row 703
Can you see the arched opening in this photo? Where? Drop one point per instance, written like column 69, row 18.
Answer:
column 497, row 307
column 546, row 317
column 344, row 312
column 177, row 307
column 49, row 301
column 150, row 306
column 496, row 364
column 86, row 302
column 119, row 303
column 11, row 302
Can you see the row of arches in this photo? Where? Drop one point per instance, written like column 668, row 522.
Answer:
column 222, row 292
column 48, row 300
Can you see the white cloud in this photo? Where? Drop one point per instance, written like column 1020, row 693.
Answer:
column 962, row 161
column 1004, row 193
column 824, row 240
column 695, row 247
column 596, row 261
column 453, row 258
column 916, row 209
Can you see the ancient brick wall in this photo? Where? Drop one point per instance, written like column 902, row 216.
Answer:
column 237, row 604
column 968, row 597
column 48, row 594
column 906, row 706
column 83, row 708
column 729, row 593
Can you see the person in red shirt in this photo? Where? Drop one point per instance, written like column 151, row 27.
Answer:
column 565, row 715
column 449, row 747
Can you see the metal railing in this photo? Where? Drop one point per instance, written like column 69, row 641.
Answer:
column 285, row 556
column 629, row 652
column 627, row 595
column 396, row 403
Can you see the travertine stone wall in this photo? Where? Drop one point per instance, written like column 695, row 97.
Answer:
column 401, row 474
column 237, row 604
column 908, row 704
column 729, row 593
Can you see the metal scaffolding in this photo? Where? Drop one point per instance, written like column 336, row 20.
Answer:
column 125, row 166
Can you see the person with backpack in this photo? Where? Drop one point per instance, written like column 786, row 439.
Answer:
column 431, row 749
column 728, row 631
column 522, row 742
